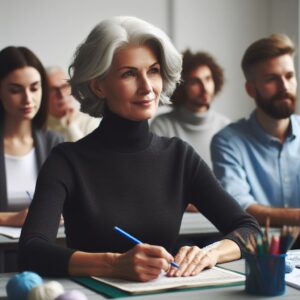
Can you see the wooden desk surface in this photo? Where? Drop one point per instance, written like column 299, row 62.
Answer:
column 225, row 293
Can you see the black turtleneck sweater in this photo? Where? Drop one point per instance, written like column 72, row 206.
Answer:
column 120, row 175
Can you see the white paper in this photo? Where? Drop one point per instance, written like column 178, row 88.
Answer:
column 214, row 276
column 12, row 232
column 293, row 278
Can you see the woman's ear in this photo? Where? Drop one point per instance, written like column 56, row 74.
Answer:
column 96, row 87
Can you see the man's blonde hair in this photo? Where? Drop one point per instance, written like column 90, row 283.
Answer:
column 264, row 49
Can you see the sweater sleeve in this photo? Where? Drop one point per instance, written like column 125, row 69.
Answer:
column 217, row 205
column 38, row 250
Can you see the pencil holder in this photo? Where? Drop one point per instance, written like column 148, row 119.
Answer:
column 265, row 274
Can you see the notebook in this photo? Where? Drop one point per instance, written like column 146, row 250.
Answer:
column 210, row 277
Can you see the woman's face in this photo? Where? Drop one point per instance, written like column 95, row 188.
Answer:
column 21, row 93
column 133, row 84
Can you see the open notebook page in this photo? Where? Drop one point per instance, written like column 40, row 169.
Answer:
column 214, row 276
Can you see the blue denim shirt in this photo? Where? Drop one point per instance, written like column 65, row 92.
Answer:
column 254, row 167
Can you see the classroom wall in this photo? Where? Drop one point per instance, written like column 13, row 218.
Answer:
column 226, row 28
column 53, row 29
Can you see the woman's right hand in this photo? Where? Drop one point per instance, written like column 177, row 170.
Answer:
column 15, row 219
column 143, row 262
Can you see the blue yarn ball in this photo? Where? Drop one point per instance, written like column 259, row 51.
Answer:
column 19, row 286
column 72, row 295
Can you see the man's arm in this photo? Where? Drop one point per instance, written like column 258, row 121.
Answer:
column 228, row 166
column 278, row 216
column 229, row 169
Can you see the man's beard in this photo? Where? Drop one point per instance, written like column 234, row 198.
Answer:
column 275, row 107
column 198, row 102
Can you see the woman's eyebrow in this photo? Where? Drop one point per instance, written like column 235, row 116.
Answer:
column 135, row 68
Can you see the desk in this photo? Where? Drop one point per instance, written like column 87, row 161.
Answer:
column 226, row 293
column 7, row 243
column 192, row 224
column 196, row 223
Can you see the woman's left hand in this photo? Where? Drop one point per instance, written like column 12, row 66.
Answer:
column 192, row 260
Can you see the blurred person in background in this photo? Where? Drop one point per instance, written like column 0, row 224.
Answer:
column 25, row 143
column 64, row 115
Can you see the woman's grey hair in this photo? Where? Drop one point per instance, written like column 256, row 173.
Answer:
column 94, row 56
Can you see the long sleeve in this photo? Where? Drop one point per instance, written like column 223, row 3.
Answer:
column 219, row 206
column 37, row 248
column 228, row 168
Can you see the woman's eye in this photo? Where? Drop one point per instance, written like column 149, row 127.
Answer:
column 15, row 90
column 35, row 88
column 128, row 74
column 155, row 70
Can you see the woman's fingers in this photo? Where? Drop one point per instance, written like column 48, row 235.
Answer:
column 147, row 258
column 185, row 258
column 144, row 262
column 161, row 257
column 192, row 260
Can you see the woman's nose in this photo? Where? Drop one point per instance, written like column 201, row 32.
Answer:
column 27, row 97
column 145, row 85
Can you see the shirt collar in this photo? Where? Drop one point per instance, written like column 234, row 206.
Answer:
column 294, row 128
column 266, row 137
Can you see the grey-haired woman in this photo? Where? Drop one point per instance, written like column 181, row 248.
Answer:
column 122, row 174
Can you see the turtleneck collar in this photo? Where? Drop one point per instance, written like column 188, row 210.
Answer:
column 122, row 135
column 192, row 118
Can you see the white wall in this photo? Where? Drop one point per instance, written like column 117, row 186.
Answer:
column 285, row 19
column 54, row 28
column 225, row 28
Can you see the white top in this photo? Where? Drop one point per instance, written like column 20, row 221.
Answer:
column 21, row 175
column 81, row 125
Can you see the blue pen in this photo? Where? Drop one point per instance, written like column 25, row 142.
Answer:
column 135, row 240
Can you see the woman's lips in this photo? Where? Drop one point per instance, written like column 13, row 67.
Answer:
column 27, row 109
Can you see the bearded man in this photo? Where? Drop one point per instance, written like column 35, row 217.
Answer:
column 257, row 160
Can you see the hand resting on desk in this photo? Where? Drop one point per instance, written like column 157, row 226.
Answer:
column 145, row 262
column 15, row 219
column 193, row 260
